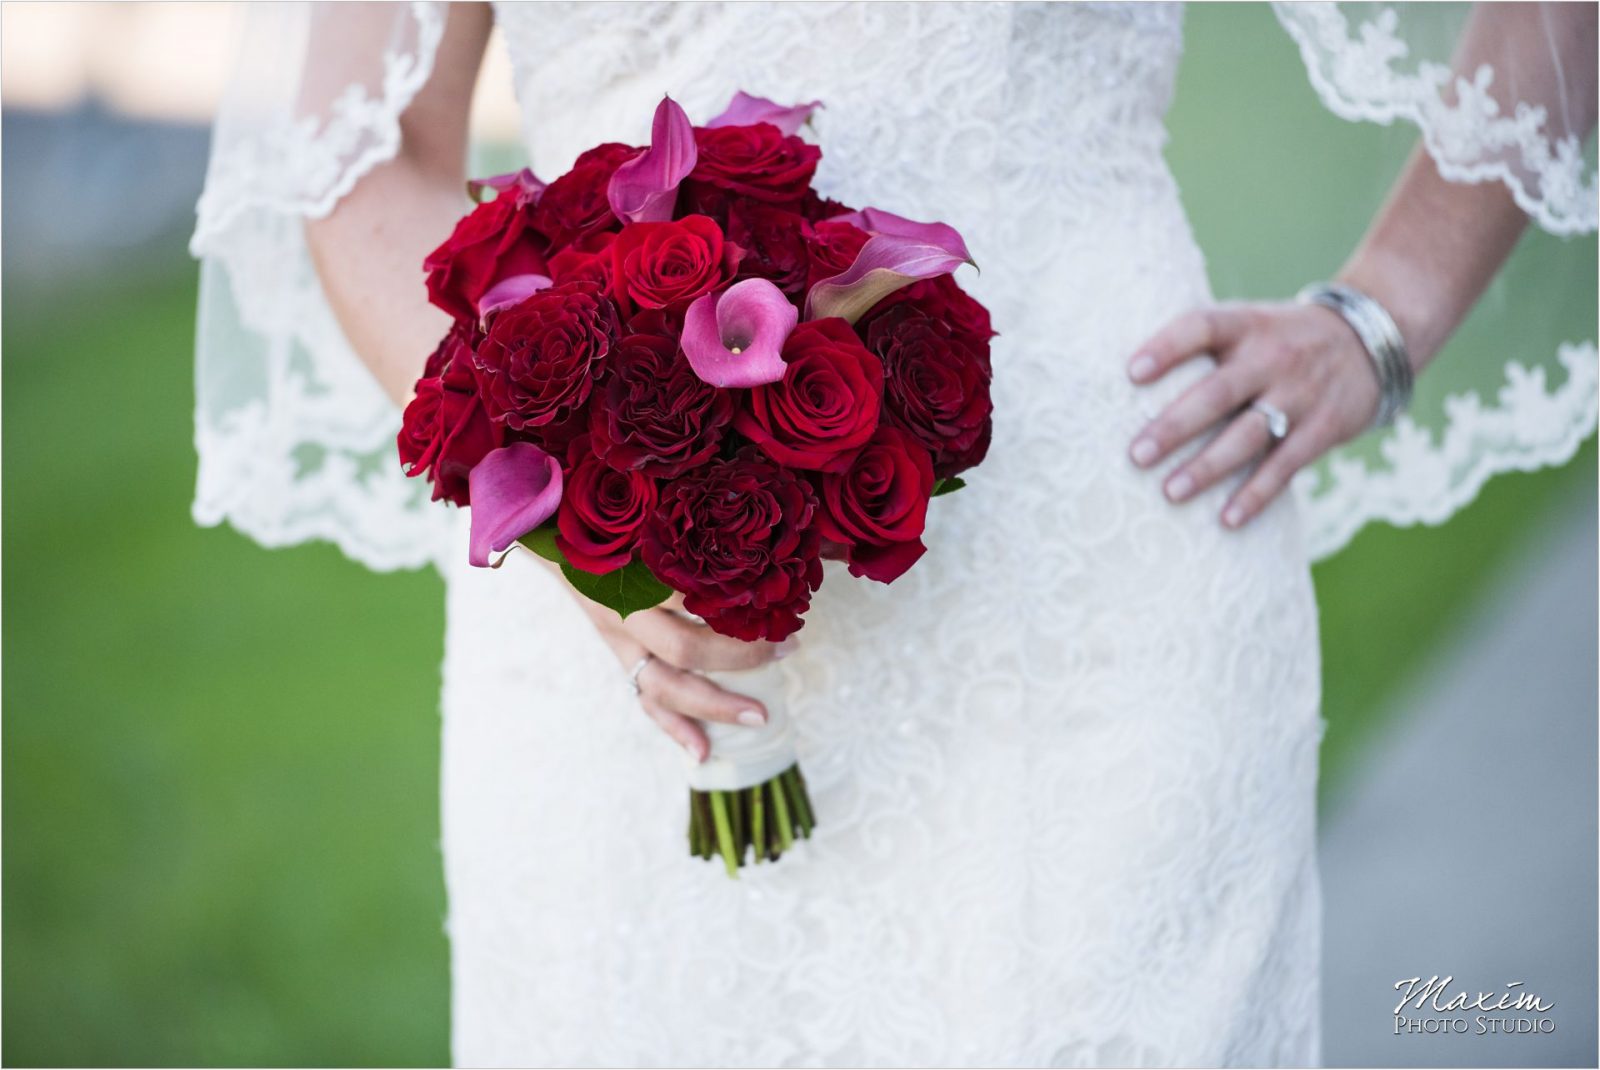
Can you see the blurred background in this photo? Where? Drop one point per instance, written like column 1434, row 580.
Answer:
column 220, row 763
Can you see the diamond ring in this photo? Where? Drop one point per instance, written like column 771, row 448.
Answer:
column 1277, row 419
column 633, row 676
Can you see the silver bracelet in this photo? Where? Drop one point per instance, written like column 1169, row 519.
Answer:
column 1379, row 336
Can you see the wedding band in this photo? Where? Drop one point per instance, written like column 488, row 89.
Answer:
column 633, row 677
column 1277, row 419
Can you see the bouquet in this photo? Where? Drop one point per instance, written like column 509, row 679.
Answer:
column 679, row 368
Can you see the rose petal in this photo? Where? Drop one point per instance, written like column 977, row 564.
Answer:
column 644, row 188
column 747, row 110
column 752, row 315
column 877, row 221
column 886, row 263
column 510, row 291
column 885, row 563
column 513, row 490
column 527, row 185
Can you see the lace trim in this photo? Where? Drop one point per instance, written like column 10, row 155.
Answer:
column 301, row 167
column 1531, row 427
column 295, row 438
column 1353, row 71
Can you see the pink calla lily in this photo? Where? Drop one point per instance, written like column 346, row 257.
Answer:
column 747, row 110
column 900, row 251
column 510, row 291
column 513, row 490
column 527, row 185
column 876, row 221
column 735, row 338
column 644, row 189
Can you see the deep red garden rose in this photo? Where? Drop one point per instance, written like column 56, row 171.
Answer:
column 831, row 248
column 655, row 265
column 575, row 205
column 878, row 507
column 757, row 161
column 738, row 538
column 944, row 300
column 540, row 359
column 653, row 413
column 445, row 429
column 935, row 386
column 602, row 510
column 493, row 241
column 826, row 405
column 817, row 208
column 774, row 244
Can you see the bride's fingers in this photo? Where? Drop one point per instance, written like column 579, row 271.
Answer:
column 690, row 736
column 1241, row 442
column 1197, row 408
column 1200, row 330
column 694, row 696
column 688, row 645
column 1303, row 446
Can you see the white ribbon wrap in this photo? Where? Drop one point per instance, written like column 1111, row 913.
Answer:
column 742, row 757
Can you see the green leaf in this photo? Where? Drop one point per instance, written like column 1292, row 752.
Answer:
column 945, row 486
column 542, row 541
column 626, row 590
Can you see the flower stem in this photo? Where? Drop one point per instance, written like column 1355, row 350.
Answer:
column 719, row 808
column 758, row 828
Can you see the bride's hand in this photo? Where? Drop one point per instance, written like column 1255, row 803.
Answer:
column 671, row 690
column 1302, row 360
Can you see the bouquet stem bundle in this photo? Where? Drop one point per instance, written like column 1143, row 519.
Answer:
column 758, row 823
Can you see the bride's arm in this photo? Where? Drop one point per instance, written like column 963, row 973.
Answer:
column 369, row 250
column 368, row 254
column 1427, row 257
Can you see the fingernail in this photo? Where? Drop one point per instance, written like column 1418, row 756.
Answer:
column 1180, row 486
column 1144, row 451
column 694, row 752
column 1141, row 367
column 785, row 648
column 1232, row 516
column 752, row 718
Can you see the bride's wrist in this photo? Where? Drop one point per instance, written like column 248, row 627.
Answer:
column 1400, row 287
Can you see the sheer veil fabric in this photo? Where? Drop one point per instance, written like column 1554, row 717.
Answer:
column 295, row 438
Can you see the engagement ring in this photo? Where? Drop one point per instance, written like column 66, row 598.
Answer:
column 1277, row 419
column 633, row 677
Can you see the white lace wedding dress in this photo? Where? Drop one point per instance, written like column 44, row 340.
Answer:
column 1065, row 769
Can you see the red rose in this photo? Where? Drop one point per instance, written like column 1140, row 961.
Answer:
column 738, row 539
column 757, row 161
column 493, row 241
column 445, row 430
column 831, row 249
column 935, row 386
column 654, row 265
column 654, row 413
column 587, row 260
column 576, row 204
column 774, row 245
column 826, row 405
column 941, row 298
column 602, row 510
column 541, row 357
column 879, row 505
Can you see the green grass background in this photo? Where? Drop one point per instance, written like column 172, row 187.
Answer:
column 220, row 794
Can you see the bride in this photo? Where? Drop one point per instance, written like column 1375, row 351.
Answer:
column 1065, row 768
